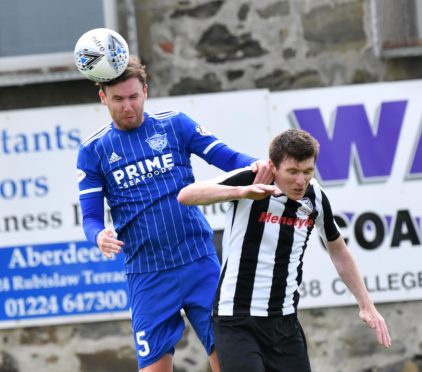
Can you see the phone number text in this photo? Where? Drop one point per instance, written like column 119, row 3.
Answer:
column 70, row 303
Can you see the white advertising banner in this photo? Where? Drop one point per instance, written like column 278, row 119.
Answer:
column 370, row 166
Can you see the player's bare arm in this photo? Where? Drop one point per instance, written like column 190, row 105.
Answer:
column 204, row 193
column 349, row 273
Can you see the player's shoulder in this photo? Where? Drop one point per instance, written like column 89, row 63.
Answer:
column 314, row 183
column 314, row 187
column 98, row 134
column 238, row 177
column 317, row 189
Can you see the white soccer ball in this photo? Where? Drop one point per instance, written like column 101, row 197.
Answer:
column 101, row 54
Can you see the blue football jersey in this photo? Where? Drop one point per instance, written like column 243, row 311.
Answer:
column 140, row 173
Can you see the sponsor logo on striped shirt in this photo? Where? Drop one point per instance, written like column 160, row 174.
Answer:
column 282, row 220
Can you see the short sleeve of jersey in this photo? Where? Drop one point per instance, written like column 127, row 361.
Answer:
column 325, row 223
column 89, row 178
column 238, row 177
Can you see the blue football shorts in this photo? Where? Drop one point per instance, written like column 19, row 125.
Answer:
column 156, row 299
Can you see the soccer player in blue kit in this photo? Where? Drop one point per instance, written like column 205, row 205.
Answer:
column 139, row 162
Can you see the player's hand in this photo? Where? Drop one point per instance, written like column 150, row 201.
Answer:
column 263, row 172
column 108, row 244
column 259, row 191
column 374, row 320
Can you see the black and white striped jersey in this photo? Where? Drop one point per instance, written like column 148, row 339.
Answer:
column 263, row 246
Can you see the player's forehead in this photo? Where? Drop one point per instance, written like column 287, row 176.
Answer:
column 125, row 88
column 290, row 163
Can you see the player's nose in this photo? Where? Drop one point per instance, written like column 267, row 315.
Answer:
column 126, row 106
column 300, row 179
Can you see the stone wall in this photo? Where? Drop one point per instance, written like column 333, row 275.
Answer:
column 209, row 46
column 201, row 46
column 338, row 342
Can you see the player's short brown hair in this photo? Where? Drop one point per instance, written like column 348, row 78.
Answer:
column 134, row 69
column 294, row 143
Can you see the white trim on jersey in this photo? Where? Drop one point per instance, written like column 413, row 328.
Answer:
column 101, row 132
column 89, row 191
column 162, row 114
column 210, row 146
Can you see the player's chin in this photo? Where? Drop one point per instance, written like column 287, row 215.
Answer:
column 132, row 123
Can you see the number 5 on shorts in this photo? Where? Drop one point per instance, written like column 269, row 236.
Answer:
column 143, row 344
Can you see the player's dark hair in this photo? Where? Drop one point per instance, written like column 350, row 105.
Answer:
column 293, row 143
column 134, row 69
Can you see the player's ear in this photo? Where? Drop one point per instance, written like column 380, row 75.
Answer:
column 272, row 167
column 146, row 90
column 103, row 97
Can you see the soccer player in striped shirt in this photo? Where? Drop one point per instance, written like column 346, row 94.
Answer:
column 139, row 162
column 265, row 237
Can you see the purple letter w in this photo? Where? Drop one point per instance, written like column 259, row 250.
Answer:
column 373, row 149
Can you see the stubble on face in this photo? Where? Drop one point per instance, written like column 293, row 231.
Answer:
column 125, row 102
